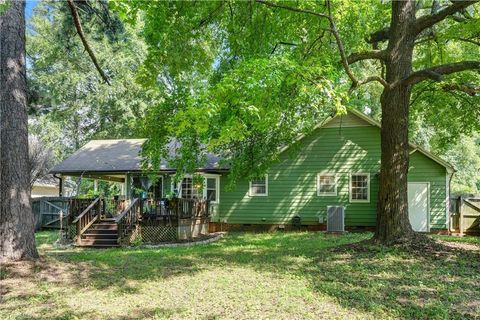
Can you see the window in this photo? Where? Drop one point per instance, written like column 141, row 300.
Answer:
column 145, row 187
column 211, row 188
column 189, row 190
column 360, row 187
column 259, row 186
column 326, row 184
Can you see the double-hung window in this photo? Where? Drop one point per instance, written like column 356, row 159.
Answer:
column 211, row 188
column 326, row 184
column 359, row 187
column 259, row 186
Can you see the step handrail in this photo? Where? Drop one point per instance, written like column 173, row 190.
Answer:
column 128, row 219
column 127, row 209
column 86, row 210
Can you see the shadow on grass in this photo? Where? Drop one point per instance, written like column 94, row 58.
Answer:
column 400, row 282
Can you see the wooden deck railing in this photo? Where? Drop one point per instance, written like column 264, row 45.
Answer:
column 76, row 206
column 114, row 206
column 192, row 208
column 88, row 217
column 128, row 219
column 180, row 208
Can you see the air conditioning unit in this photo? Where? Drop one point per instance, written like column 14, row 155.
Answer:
column 335, row 219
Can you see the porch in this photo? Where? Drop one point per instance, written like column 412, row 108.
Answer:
column 102, row 222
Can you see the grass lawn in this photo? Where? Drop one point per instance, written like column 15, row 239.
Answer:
column 248, row 276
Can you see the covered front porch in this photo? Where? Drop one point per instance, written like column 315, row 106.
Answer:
column 116, row 202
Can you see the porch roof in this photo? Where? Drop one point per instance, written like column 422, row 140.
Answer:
column 117, row 156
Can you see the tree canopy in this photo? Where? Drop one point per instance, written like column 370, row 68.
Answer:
column 244, row 78
column 69, row 103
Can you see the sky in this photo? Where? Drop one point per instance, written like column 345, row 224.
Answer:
column 30, row 4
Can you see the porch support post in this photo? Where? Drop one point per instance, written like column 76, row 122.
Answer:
column 60, row 185
column 122, row 188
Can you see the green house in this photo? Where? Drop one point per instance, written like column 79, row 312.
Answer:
column 336, row 165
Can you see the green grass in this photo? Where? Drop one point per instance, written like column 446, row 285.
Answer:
column 247, row 276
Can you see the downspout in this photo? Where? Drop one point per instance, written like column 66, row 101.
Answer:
column 448, row 204
column 60, row 183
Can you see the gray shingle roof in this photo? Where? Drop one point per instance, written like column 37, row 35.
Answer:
column 116, row 156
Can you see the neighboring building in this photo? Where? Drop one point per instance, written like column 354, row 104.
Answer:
column 338, row 164
column 45, row 187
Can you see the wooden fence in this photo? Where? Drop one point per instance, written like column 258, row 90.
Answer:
column 48, row 211
column 465, row 213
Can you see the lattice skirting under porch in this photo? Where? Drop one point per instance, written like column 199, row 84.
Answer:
column 153, row 231
column 71, row 231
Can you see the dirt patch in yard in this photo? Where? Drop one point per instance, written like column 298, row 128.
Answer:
column 419, row 245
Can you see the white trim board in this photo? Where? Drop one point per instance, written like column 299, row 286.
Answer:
column 350, row 187
column 258, row 194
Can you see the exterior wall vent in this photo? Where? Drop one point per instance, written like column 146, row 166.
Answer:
column 335, row 219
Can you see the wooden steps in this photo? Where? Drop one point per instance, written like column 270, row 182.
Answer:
column 101, row 234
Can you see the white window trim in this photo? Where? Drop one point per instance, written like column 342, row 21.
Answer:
column 250, row 194
column 179, row 184
column 161, row 191
column 204, row 191
column 447, row 201
column 217, row 186
column 326, row 194
column 350, row 187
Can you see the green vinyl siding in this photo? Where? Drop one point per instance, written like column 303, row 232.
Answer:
column 292, row 188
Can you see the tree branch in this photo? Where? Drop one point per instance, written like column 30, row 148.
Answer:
column 378, row 79
column 294, row 9
column 210, row 16
column 284, row 43
column 314, row 42
column 333, row 29
column 428, row 21
column 466, row 88
column 358, row 56
column 379, row 36
column 436, row 73
column 472, row 41
column 78, row 26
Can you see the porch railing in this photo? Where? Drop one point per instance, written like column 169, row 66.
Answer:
column 180, row 208
column 76, row 206
column 128, row 219
column 85, row 219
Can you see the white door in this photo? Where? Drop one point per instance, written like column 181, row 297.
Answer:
column 418, row 206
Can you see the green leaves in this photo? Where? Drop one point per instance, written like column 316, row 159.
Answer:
column 242, row 79
column 70, row 102
column 245, row 117
column 4, row 5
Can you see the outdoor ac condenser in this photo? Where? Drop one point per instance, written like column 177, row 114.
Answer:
column 335, row 219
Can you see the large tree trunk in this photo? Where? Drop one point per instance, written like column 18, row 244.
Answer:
column 17, row 239
column 392, row 213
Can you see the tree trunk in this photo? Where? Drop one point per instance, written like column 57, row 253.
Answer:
column 392, row 212
column 17, row 239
